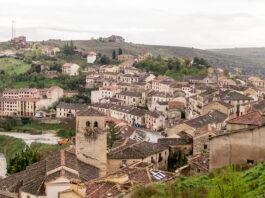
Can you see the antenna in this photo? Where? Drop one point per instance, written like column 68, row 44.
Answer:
column 13, row 29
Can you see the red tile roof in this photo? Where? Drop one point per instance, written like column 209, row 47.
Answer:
column 252, row 118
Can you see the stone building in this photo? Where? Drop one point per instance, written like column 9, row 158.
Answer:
column 68, row 110
column 181, row 143
column 91, row 130
column 241, row 147
column 131, row 151
column 248, row 120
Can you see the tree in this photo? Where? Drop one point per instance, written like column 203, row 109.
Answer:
column 114, row 54
column 113, row 134
column 226, row 73
column 22, row 160
column 105, row 60
column 120, row 51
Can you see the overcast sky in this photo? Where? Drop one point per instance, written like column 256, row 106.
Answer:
column 190, row 23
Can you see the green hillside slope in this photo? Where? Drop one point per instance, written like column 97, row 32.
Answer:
column 221, row 58
column 226, row 183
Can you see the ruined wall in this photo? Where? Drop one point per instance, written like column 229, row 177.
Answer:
column 238, row 148
column 201, row 143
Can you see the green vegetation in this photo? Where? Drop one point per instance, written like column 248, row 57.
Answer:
column 32, row 154
column 113, row 134
column 22, row 160
column 9, row 146
column 177, row 160
column 27, row 125
column 174, row 67
column 68, row 129
column 45, row 149
column 38, row 128
column 251, row 60
column 225, row 183
column 13, row 66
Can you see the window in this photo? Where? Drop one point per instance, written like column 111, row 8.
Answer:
column 250, row 161
column 96, row 124
column 205, row 146
column 87, row 123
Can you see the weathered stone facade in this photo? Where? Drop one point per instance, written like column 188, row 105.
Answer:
column 240, row 147
column 91, row 140
column 201, row 143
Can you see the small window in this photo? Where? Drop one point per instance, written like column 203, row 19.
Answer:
column 250, row 161
column 205, row 146
column 87, row 123
column 96, row 124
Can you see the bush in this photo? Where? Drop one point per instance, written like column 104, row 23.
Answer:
column 25, row 120
column 144, row 191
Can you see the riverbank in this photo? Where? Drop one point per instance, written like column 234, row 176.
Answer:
column 28, row 138
column 9, row 146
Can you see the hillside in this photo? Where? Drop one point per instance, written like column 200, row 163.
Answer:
column 12, row 65
column 251, row 60
column 226, row 183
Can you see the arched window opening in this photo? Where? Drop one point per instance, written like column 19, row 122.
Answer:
column 87, row 123
column 96, row 124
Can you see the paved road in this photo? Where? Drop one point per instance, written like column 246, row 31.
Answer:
column 2, row 165
column 28, row 138
column 151, row 136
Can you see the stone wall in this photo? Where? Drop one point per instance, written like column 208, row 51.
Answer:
column 240, row 147
column 201, row 143
column 92, row 150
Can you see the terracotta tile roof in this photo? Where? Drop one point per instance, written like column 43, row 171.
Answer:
column 72, row 106
column 201, row 161
column 136, row 174
column 32, row 179
column 139, row 150
column 259, row 106
column 90, row 112
column 233, row 95
column 101, row 190
column 209, row 118
column 29, row 99
column 253, row 118
column 68, row 64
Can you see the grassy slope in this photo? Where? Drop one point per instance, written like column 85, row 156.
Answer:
column 12, row 65
column 9, row 146
column 46, row 149
column 247, row 184
column 215, row 57
column 38, row 128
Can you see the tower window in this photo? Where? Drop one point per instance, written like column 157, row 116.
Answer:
column 96, row 124
column 87, row 123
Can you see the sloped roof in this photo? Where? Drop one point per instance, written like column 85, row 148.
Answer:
column 252, row 118
column 209, row 118
column 233, row 95
column 32, row 179
column 138, row 150
column 90, row 112
column 132, row 175
column 72, row 106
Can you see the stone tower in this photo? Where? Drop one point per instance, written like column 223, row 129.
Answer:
column 91, row 139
